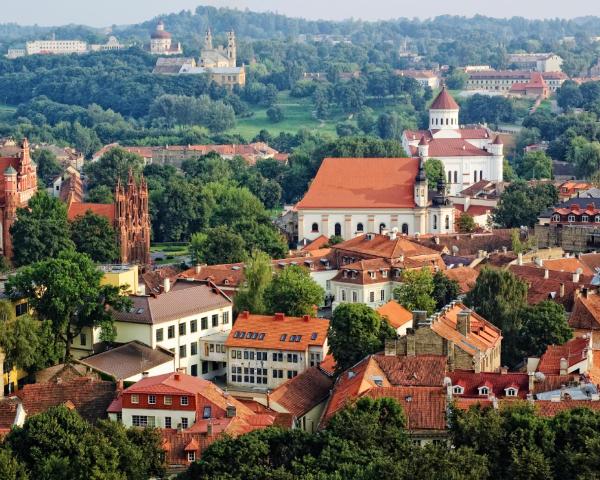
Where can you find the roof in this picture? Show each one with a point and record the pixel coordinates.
(452, 147)
(574, 351)
(362, 183)
(586, 312)
(64, 372)
(384, 246)
(328, 365)
(76, 209)
(90, 397)
(184, 299)
(8, 412)
(444, 101)
(548, 408)
(497, 383)
(464, 276)
(128, 360)
(303, 392)
(468, 243)
(318, 243)
(396, 315)
(474, 132)
(277, 332)
(570, 265)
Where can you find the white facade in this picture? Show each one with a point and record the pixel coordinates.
(156, 417)
(374, 295)
(55, 47)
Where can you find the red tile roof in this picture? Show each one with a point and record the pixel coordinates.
(568, 265)
(318, 243)
(396, 315)
(303, 392)
(276, 332)
(362, 183)
(468, 133)
(496, 382)
(548, 408)
(454, 147)
(586, 313)
(464, 276)
(444, 101)
(383, 246)
(574, 351)
(328, 365)
(104, 210)
(8, 412)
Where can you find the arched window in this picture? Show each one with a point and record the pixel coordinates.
(360, 227)
(480, 174)
(449, 176)
(405, 228)
(571, 218)
(315, 227)
(447, 222)
(381, 227)
(447, 122)
(337, 230)
(556, 218)
(458, 390)
(455, 176)
(435, 222)
(484, 390)
(474, 176)
(511, 392)
(596, 218)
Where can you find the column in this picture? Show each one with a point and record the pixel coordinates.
(371, 224)
(347, 227)
(325, 225)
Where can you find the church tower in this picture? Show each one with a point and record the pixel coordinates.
(421, 193)
(231, 49)
(208, 45)
(443, 115)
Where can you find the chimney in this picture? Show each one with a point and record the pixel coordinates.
(306, 318)
(145, 374)
(120, 385)
(176, 377)
(245, 314)
(419, 319)
(436, 239)
(561, 293)
(546, 274)
(576, 275)
(279, 316)
(564, 366)
(463, 322)
(166, 285)
(198, 269)
(520, 259)
(503, 370)
(531, 382)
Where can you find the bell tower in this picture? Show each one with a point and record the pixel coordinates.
(231, 48)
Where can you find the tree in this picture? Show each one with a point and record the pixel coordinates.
(535, 165)
(543, 324)
(466, 223)
(10, 467)
(444, 289)
(416, 290)
(355, 331)
(521, 204)
(275, 114)
(365, 119)
(457, 79)
(66, 291)
(258, 274)
(434, 170)
(112, 166)
(93, 235)
(48, 167)
(41, 230)
(101, 194)
(569, 96)
(217, 245)
(293, 292)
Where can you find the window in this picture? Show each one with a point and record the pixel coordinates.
(261, 376)
(215, 320)
(596, 219)
(447, 222)
(225, 318)
(360, 227)
(191, 456)
(292, 373)
(337, 230)
(449, 176)
(292, 358)
(315, 359)
(193, 326)
(206, 412)
(556, 217)
(354, 296)
(343, 294)
(382, 295)
(283, 337)
(315, 227)
(167, 422)
(135, 398)
(480, 174)
(194, 370)
(21, 309)
(168, 400)
(585, 218)
(381, 227)
(371, 297)
(182, 351)
(474, 175)
(182, 329)
(384, 273)
(313, 336)
(458, 390)
(204, 323)
(277, 373)
(511, 392)
(248, 375)
(571, 218)
(262, 356)
(159, 335)
(236, 374)
(151, 399)
(373, 275)
(405, 229)
(435, 222)
(455, 176)
(194, 348)
(82, 339)
(183, 400)
(483, 390)
(142, 421)
(171, 332)
(184, 422)
(277, 356)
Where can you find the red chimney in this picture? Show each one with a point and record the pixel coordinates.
(306, 318)
(176, 376)
(279, 316)
(245, 314)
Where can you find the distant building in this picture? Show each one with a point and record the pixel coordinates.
(161, 42)
(16, 53)
(535, 87)
(220, 57)
(111, 44)
(503, 80)
(55, 47)
(538, 62)
(425, 78)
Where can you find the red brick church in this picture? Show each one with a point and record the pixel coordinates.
(18, 185)
(129, 216)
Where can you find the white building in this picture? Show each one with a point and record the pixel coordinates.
(266, 350)
(161, 42)
(539, 62)
(468, 154)
(55, 47)
(111, 44)
(425, 78)
(352, 196)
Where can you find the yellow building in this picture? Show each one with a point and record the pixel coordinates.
(120, 276)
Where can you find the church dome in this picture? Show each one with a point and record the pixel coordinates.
(444, 101)
(160, 34)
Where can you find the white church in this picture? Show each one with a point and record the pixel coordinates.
(469, 154)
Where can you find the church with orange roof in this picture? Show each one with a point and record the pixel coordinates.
(469, 153)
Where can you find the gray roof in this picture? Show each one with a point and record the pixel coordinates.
(128, 360)
(185, 298)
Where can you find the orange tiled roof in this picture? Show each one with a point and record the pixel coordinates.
(567, 265)
(586, 313)
(303, 392)
(574, 351)
(362, 183)
(382, 246)
(328, 365)
(102, 209)
(396, 315)
(318, 243)
(444, 101)
(496, 382)
(465, 276)
(277, 332)
(548, 408)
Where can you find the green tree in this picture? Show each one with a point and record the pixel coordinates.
(457, 79)
(112, 166)
(93, 235)
(48, 167)
(416, 290)
(521, 204)
(20, 341)
(543, 324)
(535, 165)
(66, 291)
(434, 170)
(275, 114)
(10, 467)
(41, 230)
(101, 194)
(444, 289)
(258, 274)
(466, 223)
(293, 292)
(217, 245)
(355, 331)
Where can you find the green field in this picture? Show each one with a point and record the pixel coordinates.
(169, 253)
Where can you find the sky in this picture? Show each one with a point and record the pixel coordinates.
(109, 12)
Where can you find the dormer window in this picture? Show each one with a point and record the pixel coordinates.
(345, 273)
(511, 392)
(556, 217)
(384, 273)
(571, 218)
(585, 218)
(373, 275)
(597, 219)
(484, 391)
(458, 390)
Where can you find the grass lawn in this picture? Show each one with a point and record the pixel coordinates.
(168, 253)
(6, 111)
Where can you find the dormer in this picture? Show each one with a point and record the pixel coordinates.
(458, 390)
(485, 389)
(511, 391)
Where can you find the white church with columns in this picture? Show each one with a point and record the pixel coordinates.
(469, 154)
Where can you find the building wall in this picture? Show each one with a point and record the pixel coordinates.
(571, 238)
(159, 416)
(347, 292)
(120, 278)
(60, 47)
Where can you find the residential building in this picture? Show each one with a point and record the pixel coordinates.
(467, 340)
(469, 154)
(573, 188)
(585, 316)
(479, 201)
(503, 80)
(425, 78)
(128, 215)
(538, 62)
(67, 184)
(468, 387)
(344, 200)
(266, 350)
(18, 185)
(55, 47)
(161, 42)
(122, 275)
(573, 357)
(399, 318)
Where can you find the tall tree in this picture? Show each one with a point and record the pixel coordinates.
(93, 235)
(258, 274)
(41, 230)
(355, 331)
(47, 165)
(434, 170)
(66, 291)
(444, 289)
(520, 204)
(416, 290)
(293, 292)
(543, 324)
(113, 165)
(217, 245)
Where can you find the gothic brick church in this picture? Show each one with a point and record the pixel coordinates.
(129, 216)
(17, 186)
